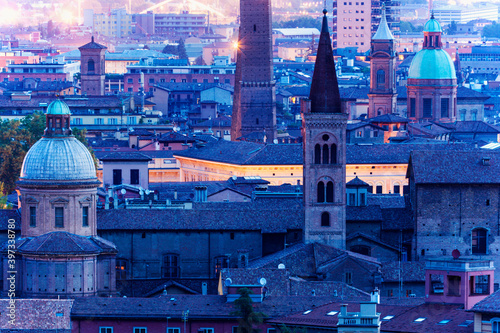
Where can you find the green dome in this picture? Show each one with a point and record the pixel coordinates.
(432, 64)
(58, 107)
(432, 26)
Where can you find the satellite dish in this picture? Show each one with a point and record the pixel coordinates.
(228, 282)
(455, 253)
(147, 192)
(281, 266)
(262, 281)
(123, 191)
(141, 192)
(275, 141)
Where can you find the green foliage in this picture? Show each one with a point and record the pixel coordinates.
(81, 135)
(170, 49)
(407, 27)
(492, 30)
(181, 50)
(452, 28)
(13, 147)
(286, 329)
(3, 198)
(248, 318)
(301, 22)
(199, 61)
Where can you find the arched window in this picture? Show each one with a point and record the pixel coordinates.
(326, 154)
(325, 219)
(380, 78)
(321, 192)
(91, 65)
(329, 192)
(479, 241)
(334, 154)
(317, 154)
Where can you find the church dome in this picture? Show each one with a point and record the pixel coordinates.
(432, 64)
(58, 159)
(58, 107)
(432, 26)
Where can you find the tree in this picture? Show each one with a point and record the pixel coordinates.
(199, 61)
(248, 318)
(301, 22)
(181, 50)
(4, 204)
(14, 143)
(492, 30)
(81, 135)
(34, 124)
(452, 28)
(170, 49)
(50, 29)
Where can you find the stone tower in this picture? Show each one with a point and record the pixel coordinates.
(255, 91)
(324, 134)
(59, 252)
(382, 94)
(92, 68)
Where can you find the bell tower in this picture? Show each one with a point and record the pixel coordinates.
(324, 133)
(92, 68)
(382, 96)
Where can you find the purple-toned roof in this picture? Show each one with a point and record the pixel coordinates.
(63, 243)
(124, 156)
(92, 45)
(490, 304)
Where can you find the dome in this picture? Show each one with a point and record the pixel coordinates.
(432, 26)
(432, 64)
(62, 159)
(58, 107)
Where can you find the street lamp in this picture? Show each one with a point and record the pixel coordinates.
(185, 315)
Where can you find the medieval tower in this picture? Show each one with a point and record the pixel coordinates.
(382, 96)
(324, 134)
(254, 113)
(92, 68)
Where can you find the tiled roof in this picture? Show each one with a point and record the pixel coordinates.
(490, 304)
(60, 242)
(397, 219)
(475, 127)
(223, 121)
(386, 200)
(72, 102)
(363, 213)
(388, 118)
(92, 45)
(464, 92)
(175, 137)
(360, 235)
(6, 215)
(356, 182)
(37, 316)
(457, 167)
(150, 287)
(37, 86)
(124, 156)
(200, 307)
(411, 271)
(265, 215)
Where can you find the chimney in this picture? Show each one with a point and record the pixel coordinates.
(343, 310)
(375, 296)
(200, 194)
(175, 194)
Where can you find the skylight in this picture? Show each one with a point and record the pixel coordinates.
(466, 323)
(444, 322)
(419, 320)
(387, 317)
(332, 313)
(307, 312)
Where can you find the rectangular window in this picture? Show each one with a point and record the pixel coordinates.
(130, 80)
(206, 330)
(59, 213)
(85, 216)
(117, 176)
(362, 199)
(171, 266)
(445, 105)
(379, 189)
(348, 277)
(352, 199)
(427, 109)
(396, 189)
(173, 330)
(481, 284)
(134, 177)
(454, 285)
(140, 330)
(32, 216)
(412, 107)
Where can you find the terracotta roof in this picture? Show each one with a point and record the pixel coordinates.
(61, 242)
(124, 156)
(388, 118)
(92, 45)
(267, 215)
(490, 304)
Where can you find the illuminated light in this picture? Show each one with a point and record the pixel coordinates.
(235, 45)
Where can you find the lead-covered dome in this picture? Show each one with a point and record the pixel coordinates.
(58, 159)
(432, 64)
(432, 25)
(58, 107)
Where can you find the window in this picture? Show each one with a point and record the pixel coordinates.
(151, 80)
(325, 219)
(352, 199)
(33, 217)
(329, 192)
(206, 330)
(495, 325)
(317, 154)
(59, 214)
(140, 330)
(173, 330)
(445, 105)
(479, 241)
(85, 216)
(396, 189)
(379, 189)
(121, 269)
(171, 266)
(412, 107)
(325, 154)
(91, 65)
(321, 192)
(134, 177)
(454, 285)
(480, 285)
(427, 109)
(380, 78)
(348, 277)
(334, 154)
(105, 329)
(117, 176)
(220, 263)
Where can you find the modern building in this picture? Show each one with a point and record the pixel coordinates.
(324, 141)
(183, 24)
(432, 81)
(44, 71)
(116, 23)
(254, 107)
(465, 14)
(59, 252)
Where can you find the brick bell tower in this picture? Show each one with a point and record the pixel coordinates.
(382, 96)
(92, 68)
(255, 89)
(324, 134)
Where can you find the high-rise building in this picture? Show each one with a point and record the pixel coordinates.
(254, 113)
(117, 23)
(382, 96)
(324, 133)
(92, 68)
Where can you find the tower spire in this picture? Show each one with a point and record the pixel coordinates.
(383, 31)
(324, 94)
